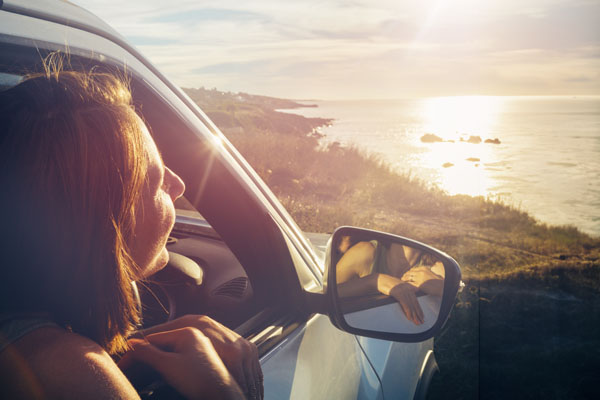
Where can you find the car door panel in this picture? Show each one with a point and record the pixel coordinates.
(397, 364)
(318, 361)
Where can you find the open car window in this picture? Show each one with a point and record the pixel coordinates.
(186, 209)
(224, 290)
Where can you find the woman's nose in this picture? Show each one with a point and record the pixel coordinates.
(176, 185)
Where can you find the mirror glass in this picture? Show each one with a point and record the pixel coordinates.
(387, 286)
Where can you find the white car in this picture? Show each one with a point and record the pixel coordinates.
(237, 254)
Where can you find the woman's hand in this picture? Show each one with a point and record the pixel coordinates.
(424, 279)
(404, 294)
(239, 355)
(187, 360)
(419, 275)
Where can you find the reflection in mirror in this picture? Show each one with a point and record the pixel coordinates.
(387, 286)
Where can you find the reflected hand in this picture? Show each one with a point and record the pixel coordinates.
(239, 355)
(404, 294)
(419, 275)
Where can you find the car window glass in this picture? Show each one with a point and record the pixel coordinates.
(227, 293)
(226, 290)
(9, 80)
(184, 207)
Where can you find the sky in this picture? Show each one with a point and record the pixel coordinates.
(361, 49)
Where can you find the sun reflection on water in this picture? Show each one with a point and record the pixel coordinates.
(459, 161)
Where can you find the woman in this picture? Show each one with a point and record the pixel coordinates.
(86, 208)
(369, 267)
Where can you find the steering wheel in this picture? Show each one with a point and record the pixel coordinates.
(180, 270)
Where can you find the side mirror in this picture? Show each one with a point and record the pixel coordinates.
(388, 287)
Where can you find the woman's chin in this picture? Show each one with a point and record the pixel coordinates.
(158, 263)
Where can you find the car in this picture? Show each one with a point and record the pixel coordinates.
(236, 254)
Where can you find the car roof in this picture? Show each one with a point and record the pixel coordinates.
(62, 12)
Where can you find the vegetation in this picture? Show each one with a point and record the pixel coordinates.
(522, 275)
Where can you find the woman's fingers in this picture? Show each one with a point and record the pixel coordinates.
(143, 351)
(239, 356)
(253, 376)
(415, 309)
(261, 381)
(409, 304)
(258, 380)
(250, 380)
(187, 361)
(406, 310)
(258, 374)
(419, 311)
(240, 377)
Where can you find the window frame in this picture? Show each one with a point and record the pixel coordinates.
(278, 231)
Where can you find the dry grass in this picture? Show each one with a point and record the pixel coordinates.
(325, 187)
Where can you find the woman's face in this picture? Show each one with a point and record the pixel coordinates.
(155, 213)
(344, 244)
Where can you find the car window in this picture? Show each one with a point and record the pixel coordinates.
(185, 208)
(241, 220)
(9, 80)
(226, 291)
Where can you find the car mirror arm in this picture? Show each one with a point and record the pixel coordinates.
(316, 303)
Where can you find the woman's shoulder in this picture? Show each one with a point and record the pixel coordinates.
(362, 250)
(51, 362)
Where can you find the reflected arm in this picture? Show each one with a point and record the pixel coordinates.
(403, 292)
(370, 284)
(356, 262)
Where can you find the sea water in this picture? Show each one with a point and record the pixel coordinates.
(547, 162)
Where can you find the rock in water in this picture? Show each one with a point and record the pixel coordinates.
(431, 138)
(493, 141)
(474, 139)
(447, 165)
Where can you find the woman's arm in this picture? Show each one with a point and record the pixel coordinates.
(357, 261)
(53, 363)
(402, 292)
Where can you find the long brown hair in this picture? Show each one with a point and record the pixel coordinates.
(72, 167)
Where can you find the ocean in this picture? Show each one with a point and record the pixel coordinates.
(547, 161)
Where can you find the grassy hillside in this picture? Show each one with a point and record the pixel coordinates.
(530, 306)
(327, 187)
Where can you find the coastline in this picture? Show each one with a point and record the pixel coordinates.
(525, 169)
(327, 186)
(527, 283)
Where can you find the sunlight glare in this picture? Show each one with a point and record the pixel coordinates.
(460, 164)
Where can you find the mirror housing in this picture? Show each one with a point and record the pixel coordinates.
(397, 289)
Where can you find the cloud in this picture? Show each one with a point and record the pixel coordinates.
(202, 15)
(360, 48)
(252, 68)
